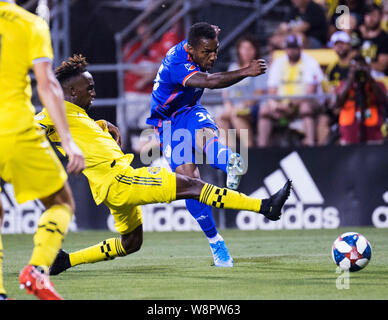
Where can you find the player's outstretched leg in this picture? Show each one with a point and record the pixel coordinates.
(106, 250)
(229, 199)
(186, 188)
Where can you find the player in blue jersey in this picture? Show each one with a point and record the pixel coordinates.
(185, 128)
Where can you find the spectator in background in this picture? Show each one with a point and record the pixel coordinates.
(242, 113)
(308, 20)
(338, 70)
(335, 73)
(356, 11)
(374, 46)
(384, 19)
(138, 82)
(293, 74)
(361, 101)
(353, 31)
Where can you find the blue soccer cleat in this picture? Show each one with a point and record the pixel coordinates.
(221, 254)
(234, 170)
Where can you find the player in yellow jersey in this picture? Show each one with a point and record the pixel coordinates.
(26, 158)
(121, 187)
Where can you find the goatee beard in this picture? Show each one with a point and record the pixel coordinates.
(373, 28)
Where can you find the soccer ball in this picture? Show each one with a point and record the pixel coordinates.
(351, 251)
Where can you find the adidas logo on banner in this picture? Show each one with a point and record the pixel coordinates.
(304, 208)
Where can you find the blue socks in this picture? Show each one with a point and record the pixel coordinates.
(217, 154)
(203, 214)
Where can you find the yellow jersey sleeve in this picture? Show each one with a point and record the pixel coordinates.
(103, 157)
(103, 125)
(41, 48)
(24, 40)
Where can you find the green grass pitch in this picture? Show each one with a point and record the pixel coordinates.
(270, 265)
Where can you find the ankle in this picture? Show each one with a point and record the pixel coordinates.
(265, 206)
(215, 239)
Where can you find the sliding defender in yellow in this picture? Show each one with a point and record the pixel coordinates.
(26, 159)
(122, 188)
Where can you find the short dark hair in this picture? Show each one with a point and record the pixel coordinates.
(200, 30)
(70, 68)
(252, 40)
(359, 58)
(373, 7)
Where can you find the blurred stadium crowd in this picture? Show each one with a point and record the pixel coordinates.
(326, 82)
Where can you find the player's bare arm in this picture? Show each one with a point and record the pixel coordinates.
(203, 51)
(225, 79)
(51, 95)
(381, 64)
(115, 132)
(302, 27)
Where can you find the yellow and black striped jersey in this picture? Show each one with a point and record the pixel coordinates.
(103, 156)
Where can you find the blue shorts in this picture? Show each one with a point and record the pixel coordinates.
(177, 135)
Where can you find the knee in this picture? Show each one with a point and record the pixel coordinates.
(133, 241)
(70, 203)
(133, 245)
(62, 197)
(188, 170)
(264, 110)
(202, 136)
(267, 109)
(194, 184)
(306, 110)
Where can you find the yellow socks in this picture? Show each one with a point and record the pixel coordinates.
(49, 236)
(105, 250)
(2, 290)
(228, 199)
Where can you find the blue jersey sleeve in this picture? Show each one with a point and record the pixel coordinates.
(180, 73)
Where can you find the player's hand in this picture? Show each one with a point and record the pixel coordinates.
(257, 67)
(115, 132)
(76, 159)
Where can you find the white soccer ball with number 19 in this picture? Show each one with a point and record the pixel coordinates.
(351, 251)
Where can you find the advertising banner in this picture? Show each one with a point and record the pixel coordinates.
(332, 187)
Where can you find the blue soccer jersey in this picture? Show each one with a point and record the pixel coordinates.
(170, 95)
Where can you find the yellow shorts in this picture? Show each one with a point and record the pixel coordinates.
(134, 187)
(28, 161)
